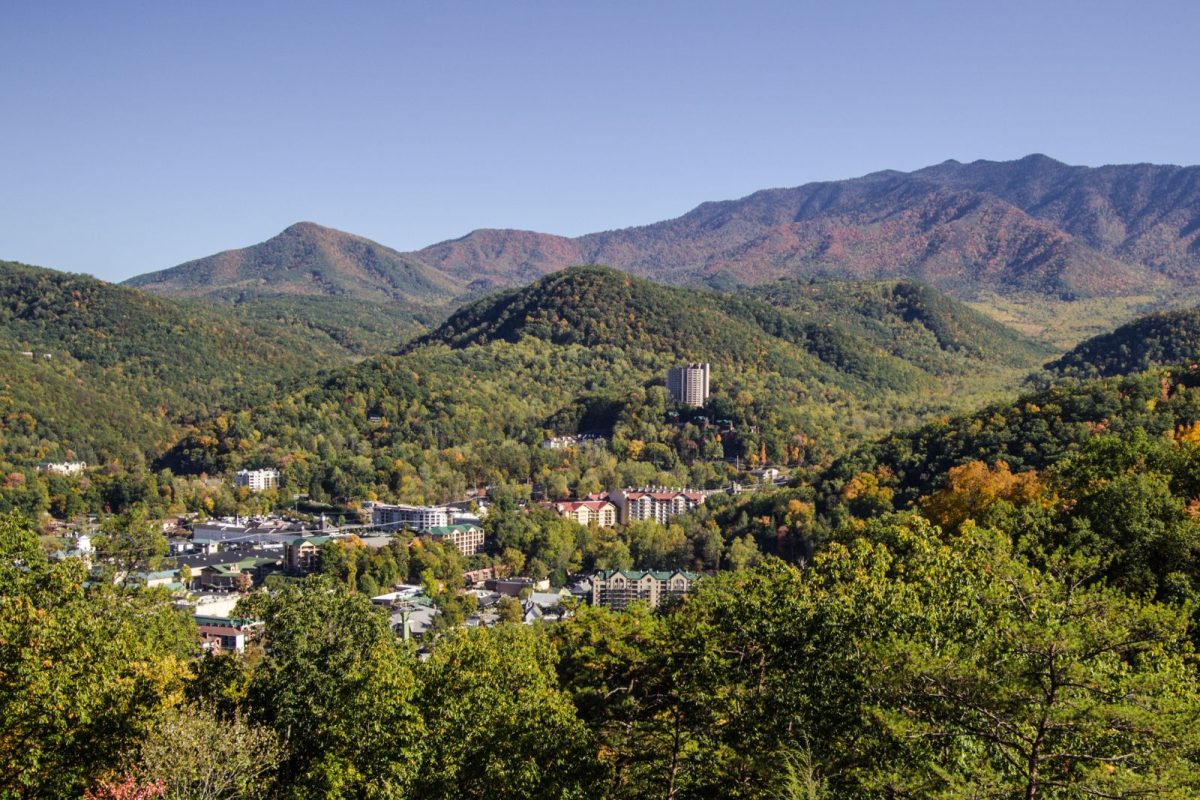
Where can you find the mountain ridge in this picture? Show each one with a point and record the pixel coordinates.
(1035, 226)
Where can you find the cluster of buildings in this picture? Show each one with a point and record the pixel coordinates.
(609, 509)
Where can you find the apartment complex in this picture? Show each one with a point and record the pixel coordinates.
(588, 512)
(257, 480)
(467, 538)
(689, 384)
(655, 503)
(303, 554)
(617, 589)
(417, 518)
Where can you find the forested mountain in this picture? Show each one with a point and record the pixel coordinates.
(359, 294)
(1032, 432)
(587, 349)
(112, 369)
(1163, 339)
(848, 325)
(308, 260)
(1032, 225)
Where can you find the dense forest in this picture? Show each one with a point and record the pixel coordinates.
(104, 373)
(587, 350)
(1166, 338)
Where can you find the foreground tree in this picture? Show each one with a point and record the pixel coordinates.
(196, 755)
(337, 687)
(498, 726)
(989, 678)
(84, 669)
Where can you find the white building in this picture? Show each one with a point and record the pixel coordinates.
(417, 518)
(63, 467)
(689, 384)
(655, 503)
(257, 480)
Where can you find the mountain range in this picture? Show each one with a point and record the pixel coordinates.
(1034, 226)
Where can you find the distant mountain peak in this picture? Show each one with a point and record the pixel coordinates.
(308, 259)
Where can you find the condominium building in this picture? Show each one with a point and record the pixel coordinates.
(655, 503)
(257, 480)
(617, 588)
(467, 538)
(689, 384)
(302, 555)
(417, 518)
(588, 512)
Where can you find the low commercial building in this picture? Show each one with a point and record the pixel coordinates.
(253, 531)
(618, 589)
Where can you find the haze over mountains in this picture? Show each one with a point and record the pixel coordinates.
(1034, 225)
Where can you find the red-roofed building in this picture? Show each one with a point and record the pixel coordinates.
(223, 634)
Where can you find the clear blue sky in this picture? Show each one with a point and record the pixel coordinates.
(138, 135)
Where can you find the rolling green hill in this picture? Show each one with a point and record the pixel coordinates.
(588, 348)
(113, 370)
(1163, 339)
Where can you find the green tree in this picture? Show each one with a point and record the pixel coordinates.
(335, 677)
(85, 668)
(498, 726)
(129, 540)
(509, 610)
(197, 755)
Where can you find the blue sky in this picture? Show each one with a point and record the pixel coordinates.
(139, 135)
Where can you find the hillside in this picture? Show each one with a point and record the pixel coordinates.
(114, 369)
(911, 320)
(1032, 432)
(1167, 338)
(1033, 225)
(857, 328)
(587, 349)
(1033, 228)
(308, 260)
(356, 293)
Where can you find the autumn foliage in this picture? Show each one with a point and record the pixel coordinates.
(974, 487)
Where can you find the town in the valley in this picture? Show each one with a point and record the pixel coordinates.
(212, 562)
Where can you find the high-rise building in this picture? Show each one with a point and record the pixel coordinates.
(689, 384)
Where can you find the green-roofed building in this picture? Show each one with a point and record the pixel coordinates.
(618, 588)
(468, 538)
(302, 555)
